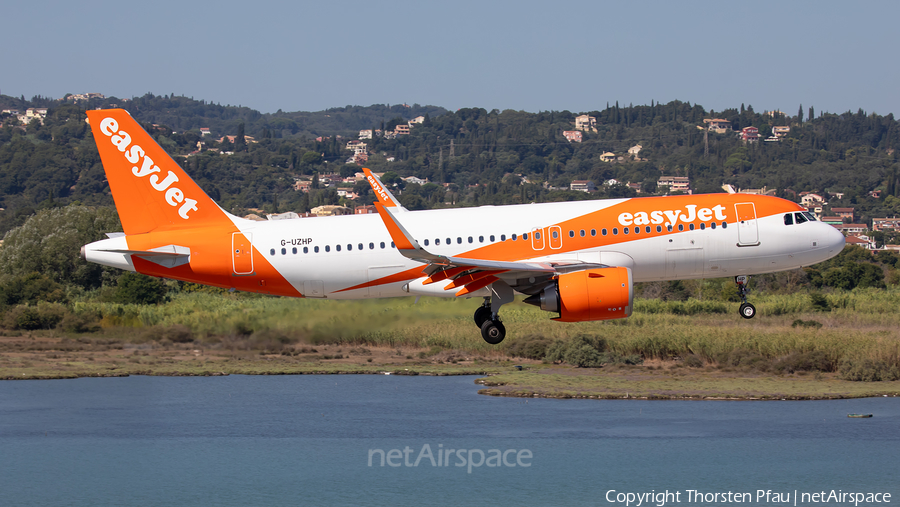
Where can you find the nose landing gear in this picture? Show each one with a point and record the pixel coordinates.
(747, 310)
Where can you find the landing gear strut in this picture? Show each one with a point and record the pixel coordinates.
(487, 316)
(747, 310)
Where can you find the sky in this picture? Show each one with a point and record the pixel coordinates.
(524, 55)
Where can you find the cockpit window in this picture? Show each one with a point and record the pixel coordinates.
(810, 216)
(800, 218)
(788, 219)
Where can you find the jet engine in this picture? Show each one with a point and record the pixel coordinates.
(593, 294)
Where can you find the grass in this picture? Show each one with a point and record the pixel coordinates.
(861, 324)
(204, 334)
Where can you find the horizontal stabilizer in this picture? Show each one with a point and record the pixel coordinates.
(168, 256)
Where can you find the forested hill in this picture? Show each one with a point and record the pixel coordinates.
(485, 157)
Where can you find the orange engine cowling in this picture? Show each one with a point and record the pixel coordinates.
(594, 294)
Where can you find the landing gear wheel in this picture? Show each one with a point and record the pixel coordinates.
(747, 310)
(482, 314)
(493, 331)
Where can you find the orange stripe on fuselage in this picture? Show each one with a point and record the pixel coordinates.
(608, 218)
(211, 261)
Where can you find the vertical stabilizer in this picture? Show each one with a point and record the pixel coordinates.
(151, 191)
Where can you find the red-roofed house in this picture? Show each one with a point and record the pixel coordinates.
(573, 136)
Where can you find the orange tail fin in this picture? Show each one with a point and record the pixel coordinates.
(151, 191)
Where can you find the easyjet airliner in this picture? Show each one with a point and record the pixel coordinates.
(579, 260)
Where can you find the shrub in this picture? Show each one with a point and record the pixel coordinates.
(88, 322)
(819, 302)
(586, 351)
(868, 370)
(42, 316)
(692, 361)
(138, 289)
(743, 358)
(804, 361)
(530, 347)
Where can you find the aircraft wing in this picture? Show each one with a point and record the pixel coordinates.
(465, 273)
(385, 197)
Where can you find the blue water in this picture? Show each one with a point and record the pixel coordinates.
(306, 440)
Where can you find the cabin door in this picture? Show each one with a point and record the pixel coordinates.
(748, 230)
(241, 254)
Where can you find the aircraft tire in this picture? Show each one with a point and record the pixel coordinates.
(482, 314)
(493, 331)
(747, 310)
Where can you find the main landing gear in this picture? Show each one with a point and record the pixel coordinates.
(747, 310)
(487, 317)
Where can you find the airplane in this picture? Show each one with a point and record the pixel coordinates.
(579, 260)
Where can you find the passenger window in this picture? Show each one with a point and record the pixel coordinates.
(593, 232)
(647, 229)
(625, 230)
(525, 236)
(572, 234)
(637, 230)
(603, 232)
(458, 240)
(658, 228)
(393, 245)
(426, 242)
(514, 237)
(294, 250)
(349, 247)
(306, 249)
(360, 246)
(615, 231)
(470, 239)
(437, 241)
(555, 235)
(316, 249)
(537, 235)
(272, 252)
(680, 227)
(492, 238)
(327, 248)
(382, 245)
(800, 218)
(448, 241)
(702, 226)
(481, 239)
(503, 237)
(283, 251)
(713, 225)
(337, 248)
(581, 233)
(691, 227)
(788, 219)
(371, 246)
(724, 225)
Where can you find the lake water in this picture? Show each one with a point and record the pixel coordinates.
(332, 440)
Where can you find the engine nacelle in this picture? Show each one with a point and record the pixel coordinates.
(594, 294)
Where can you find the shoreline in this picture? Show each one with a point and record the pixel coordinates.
(45, 357)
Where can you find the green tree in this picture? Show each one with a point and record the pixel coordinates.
(50, 242)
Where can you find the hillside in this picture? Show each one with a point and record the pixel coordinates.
(483, 157)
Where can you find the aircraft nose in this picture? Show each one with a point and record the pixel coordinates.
(833, 239)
